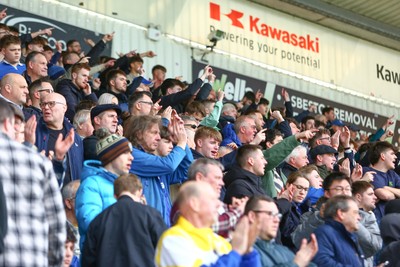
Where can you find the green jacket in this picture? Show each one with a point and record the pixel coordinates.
(213, 118)
(275, 155)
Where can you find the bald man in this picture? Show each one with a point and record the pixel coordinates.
(14, 89)
(199, 204)
(52, 126)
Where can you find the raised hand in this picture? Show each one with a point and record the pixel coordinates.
(61, 146)
(87, 90)
(356, 173)
(335, 140)
(239, 203)
(150, 54)
(220, 94)
(179, 131)
(285, 95)
(96, 83)
(240, 237)
(30, 130)
(312, 108)
(368, 176)
(89, 42)
(345, 137)
(120, 130)
(388, 122)
(287, 193)
(48, 31)
(207, 71)
(308, 134)
(156, 108)
(276, 115)
(167, 113)
(260, 136)
(345, 167)
(3, 13)
(108, 37)
(306, 252)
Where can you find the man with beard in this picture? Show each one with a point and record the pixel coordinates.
(76, 89)
(116, 81)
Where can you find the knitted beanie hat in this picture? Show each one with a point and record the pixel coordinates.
(111, 147)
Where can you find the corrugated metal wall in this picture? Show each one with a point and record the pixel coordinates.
(177, 56)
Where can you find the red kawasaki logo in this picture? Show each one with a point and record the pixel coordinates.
(255, 25)
(215, 13)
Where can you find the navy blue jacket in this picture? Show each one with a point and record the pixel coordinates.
(124, 234)
(289, 222)
(241, 183)
(73, 95)
(74, 154)
(336, 246)
(178, 100)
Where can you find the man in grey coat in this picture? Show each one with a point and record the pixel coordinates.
(368, 232)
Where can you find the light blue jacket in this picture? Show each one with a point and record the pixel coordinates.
(94, 195)
(158, 173)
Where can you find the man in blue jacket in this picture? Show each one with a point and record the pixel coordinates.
(338, 245)
(155, 172)
(51, 128)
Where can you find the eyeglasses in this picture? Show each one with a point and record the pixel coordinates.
(193, 126)
(51, 104)
(147, 102)
(299, 187)
(341, 189)
(269, 213)
(48, 90)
